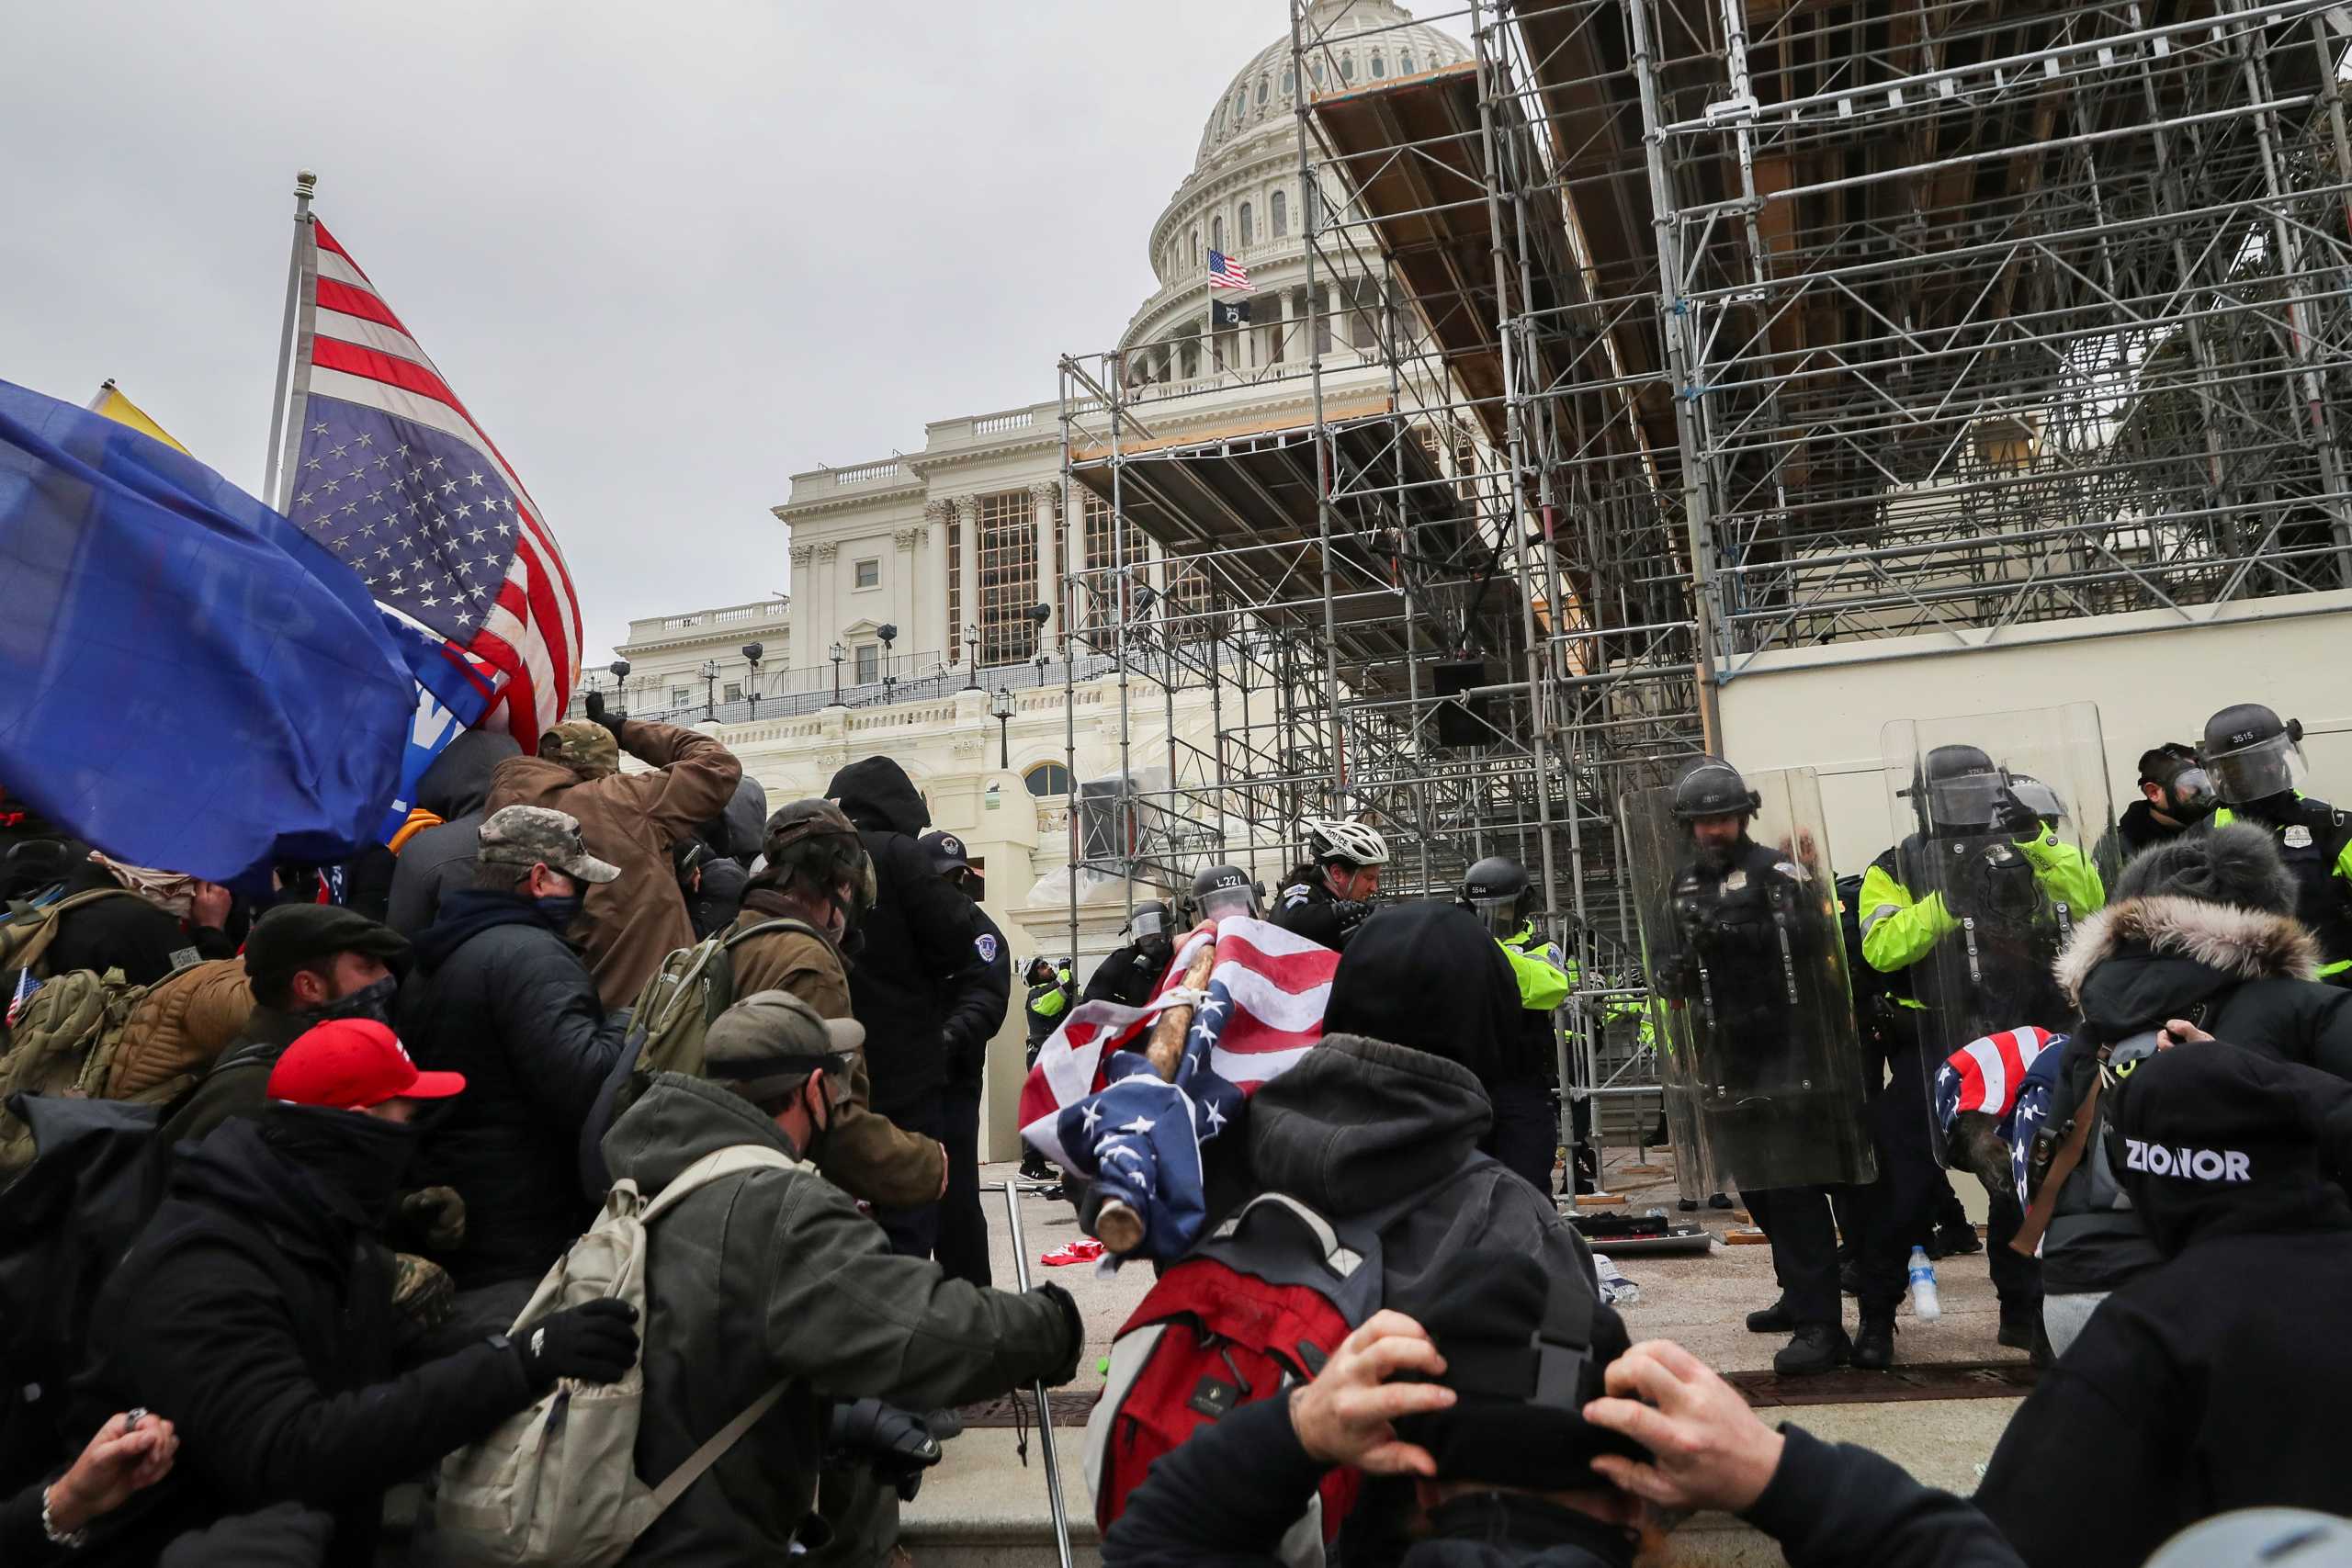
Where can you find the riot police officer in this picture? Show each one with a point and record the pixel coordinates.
(1329, 894)
(1965, 916)
(1525, 1134)
(1130, 974)
(1740, 959)
(2253, 761)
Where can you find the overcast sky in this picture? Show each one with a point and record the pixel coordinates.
(668, 255)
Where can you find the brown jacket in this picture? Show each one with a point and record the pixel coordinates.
(631, 925)
(867, 1155)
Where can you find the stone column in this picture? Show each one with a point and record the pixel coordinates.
(1074, 535)
(1041, 497)
(808, 652)
(936, 516)
(828, 598)
(967, 528)
(903, 589)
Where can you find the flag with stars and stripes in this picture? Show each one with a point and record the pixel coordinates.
(1985, 1075)
(1093, 1105)
(393, 475)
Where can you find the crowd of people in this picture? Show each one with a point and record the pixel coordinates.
(434, 1205)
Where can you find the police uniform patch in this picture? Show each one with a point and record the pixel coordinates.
(1793, 872)
(985, 945)
(1734, 882)
(2297, 837)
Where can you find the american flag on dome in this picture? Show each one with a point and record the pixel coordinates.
(395, 477)
(1226, 272)
(1093, 1105)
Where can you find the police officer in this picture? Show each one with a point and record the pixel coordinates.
(1131, 974)
(1049, 993)
(1526, 1134)
(1736, 940)
(2251, 757)
(962, 1248)
(1966, 915)
(1329, 894)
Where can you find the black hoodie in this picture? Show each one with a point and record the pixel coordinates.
(2214, 1381)
(914, 986)
(1427, 976)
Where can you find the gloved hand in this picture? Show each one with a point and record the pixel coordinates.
(898, 1444)
(1074, 1323)
(2014, 818)
(594, 708)
(1351, 913)
(433, 1217)
(596, 1342)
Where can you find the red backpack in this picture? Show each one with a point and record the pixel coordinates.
(1256, 1308)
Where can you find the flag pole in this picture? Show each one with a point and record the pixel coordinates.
(278, 465)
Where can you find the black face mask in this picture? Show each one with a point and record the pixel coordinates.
(372, 1001)
(559, 913)
(356, 1163)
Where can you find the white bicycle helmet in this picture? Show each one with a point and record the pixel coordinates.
(1327, 839)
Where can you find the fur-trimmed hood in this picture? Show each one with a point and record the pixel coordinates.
(2205, 946)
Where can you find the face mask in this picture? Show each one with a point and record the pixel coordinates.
(559, 913)
(373, 1001)
(356, 1163)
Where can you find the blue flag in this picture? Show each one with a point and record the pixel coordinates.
(185, 679)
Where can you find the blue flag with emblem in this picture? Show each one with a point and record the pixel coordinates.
(186, 681)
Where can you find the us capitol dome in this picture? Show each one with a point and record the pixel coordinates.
(1242, 197)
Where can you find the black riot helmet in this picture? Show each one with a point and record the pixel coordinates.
(1496, 890)
(1709, 786)
(1223, 890)
(1957, 790)
(2251, 754)
(1152, 918)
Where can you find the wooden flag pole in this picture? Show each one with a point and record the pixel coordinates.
(1117, 1225)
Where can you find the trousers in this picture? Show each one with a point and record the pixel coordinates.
(914, 1230)
(1525, 1137)
(962, 1244)
(1803, 1234)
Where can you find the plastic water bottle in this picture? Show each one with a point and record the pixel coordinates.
(1924, 1303)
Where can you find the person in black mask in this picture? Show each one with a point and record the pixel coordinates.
(307, 963)
(499, 995)
(254, 1311)
(2207, 1382)
(1129, 974)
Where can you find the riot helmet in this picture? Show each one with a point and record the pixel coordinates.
(1150, 920)
(1224, 890)
(811, 844)
(2250, 754)
(1496, 890)
(1709, 786)
(2038, 798)
(1957, 790)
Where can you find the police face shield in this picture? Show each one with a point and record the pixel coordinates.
(1147, 924)
(2273, 765)
(1237, 899)
(1500, 916)
(1747, 969)
(1963, 804)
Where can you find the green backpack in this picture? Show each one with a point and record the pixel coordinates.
(61, 1042)
(674, 1011)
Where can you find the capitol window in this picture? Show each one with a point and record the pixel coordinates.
(1379, 64)
(1249, 225)
(1265, 91)
(1240, 104)
(1347, 68)
(1290, 81)
(1405, 63)
(734, 691)
(869, 663)
(1281, 207)
(869, 573)
(681, 696)
(1047, 778)
(1217, 232)
(1315, 69)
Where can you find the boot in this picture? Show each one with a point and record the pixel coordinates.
(1874, 1342)
(1773, 1319)
(2019, 1325)
(1818, 1348)
(1720, 1200)
(1687, 1205)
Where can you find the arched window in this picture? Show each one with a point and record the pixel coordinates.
(1047, 778)
(1290, 80)
(1315, 69)
(1405, 63)
(1265, 91)
(1249, 226)
(1217, 232)
(1347, 68)
(1281, 214)
(1240, 105)
(1196, 244)
(1379, 64)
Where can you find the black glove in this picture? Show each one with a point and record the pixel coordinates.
(596, 1342)
(1074, 1323)
(2014, 818)
(434, 1218)
(898, 1444)
(594, 708)
(1351, 913)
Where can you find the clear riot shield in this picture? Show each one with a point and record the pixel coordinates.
(1695, 1172)
(1747, 970)
(1998, 819)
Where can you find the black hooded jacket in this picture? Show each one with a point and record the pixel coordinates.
(497, 996)
(255, 1311)
(439, 860)
(1429, 975)
(915, 985)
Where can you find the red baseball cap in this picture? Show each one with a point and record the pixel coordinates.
(351, 1064)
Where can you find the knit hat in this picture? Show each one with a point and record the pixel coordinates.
(1523, 1352)
(2208, 1137)
(2232, 864)
(764, 1045)
(288, 936)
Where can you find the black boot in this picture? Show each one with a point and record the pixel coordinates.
(1687, 1205)
(1720, 1200)
(1773, 1319)
(1874, 1342)
(2019, 1325)
(1818, 1348)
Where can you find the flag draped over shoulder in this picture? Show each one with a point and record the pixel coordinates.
(185, 680)
(1093, 1103)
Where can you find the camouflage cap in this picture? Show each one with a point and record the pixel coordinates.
(536, 835)
(588, 750)
(802, 819)
(765, 1044)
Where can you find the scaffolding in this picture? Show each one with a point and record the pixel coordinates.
(1680, 330)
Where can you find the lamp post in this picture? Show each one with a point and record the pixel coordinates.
(710, 688)
(1042, 657)
(619, 669)
(1001, 710)
(751, 652)
(972, 659)
(838, 653)
(889, 632)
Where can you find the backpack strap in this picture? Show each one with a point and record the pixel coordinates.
(781, 923)
(46, 919)
(719, 1163)
(673, 1486)
(2062, 1166)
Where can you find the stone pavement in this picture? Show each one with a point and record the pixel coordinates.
(982, 1508)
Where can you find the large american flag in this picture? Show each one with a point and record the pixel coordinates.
(1093, 1105)
(395, 477)
(1226, 272)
